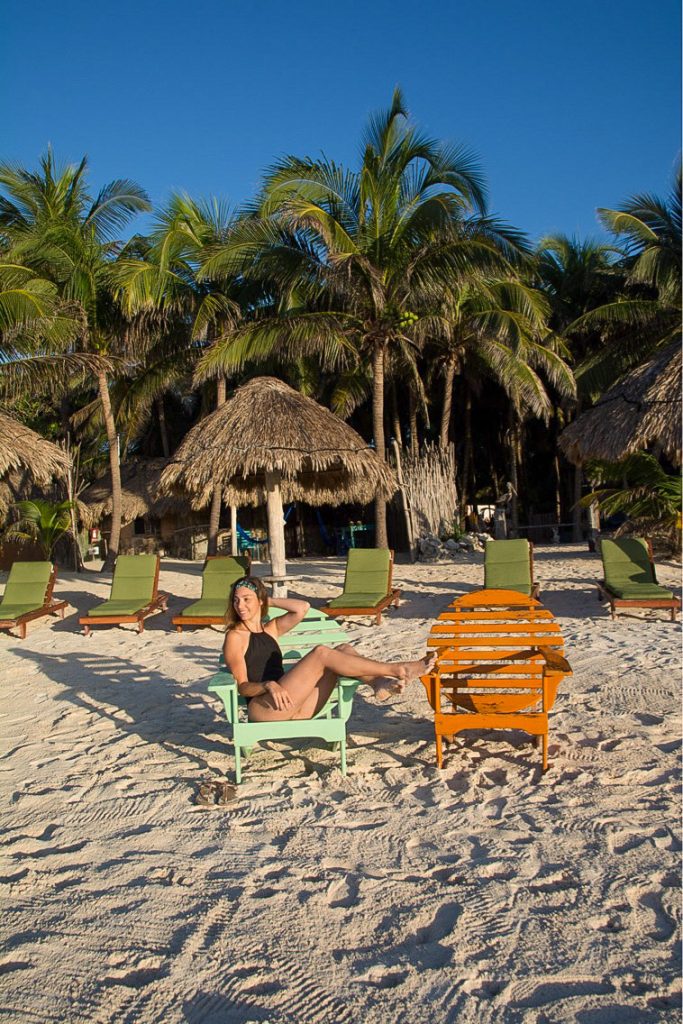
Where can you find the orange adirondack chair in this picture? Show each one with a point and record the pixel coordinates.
(500, 661)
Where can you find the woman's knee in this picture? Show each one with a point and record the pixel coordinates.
(321, 651)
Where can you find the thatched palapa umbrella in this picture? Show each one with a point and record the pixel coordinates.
(271, 443)
(23, 451)
(641, 409)
(140, 494)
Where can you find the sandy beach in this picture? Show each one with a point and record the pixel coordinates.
(485, 892)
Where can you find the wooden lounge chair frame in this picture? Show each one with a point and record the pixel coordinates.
(208, 620)
(49, 607)
(673, 604)
(535, 587)
(500, 662)
(328, 725)
(392, 597)
(159, 602)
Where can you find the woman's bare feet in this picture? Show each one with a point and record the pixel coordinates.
(415, 669)
(387, 686)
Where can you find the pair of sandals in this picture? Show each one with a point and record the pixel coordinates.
(215, 794)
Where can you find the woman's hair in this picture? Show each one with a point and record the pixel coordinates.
(252, 583)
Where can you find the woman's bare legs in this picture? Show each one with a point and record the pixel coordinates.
(311, 681)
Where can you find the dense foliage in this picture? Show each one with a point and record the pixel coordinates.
(388, 292)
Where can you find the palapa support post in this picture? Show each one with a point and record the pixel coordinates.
(276, 532)
(233, 530)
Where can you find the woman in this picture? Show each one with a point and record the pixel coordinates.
(253, 655)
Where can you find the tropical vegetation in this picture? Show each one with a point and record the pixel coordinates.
(389, 292)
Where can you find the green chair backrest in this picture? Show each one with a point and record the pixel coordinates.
(219, 575)
(626, 561)
(507, 564)
(134, 578)
(367, 571)
(27, 584)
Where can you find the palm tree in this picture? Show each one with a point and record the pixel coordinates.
(497, 330)
(163, 282)
(647, 314)
(577, 276)
(52, 226)
(349, 254)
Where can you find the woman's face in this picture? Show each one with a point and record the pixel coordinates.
(246, 603)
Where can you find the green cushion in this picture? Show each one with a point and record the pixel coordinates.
(627, 564)
(133, 580)
(14, 611)
(206, 606)
(640, 591)
(117, 608)
(507, 565)
(367, 599)
(367, 573)
(26, 587)
(219, 575)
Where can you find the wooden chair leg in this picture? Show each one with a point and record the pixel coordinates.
(22, 631)
(179, 629)
(439, 750)
(141, 625)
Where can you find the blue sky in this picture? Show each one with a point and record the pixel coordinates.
(568, 105)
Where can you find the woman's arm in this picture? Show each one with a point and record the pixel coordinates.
(294, 609)
(234, 650)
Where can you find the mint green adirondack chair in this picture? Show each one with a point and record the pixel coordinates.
(328, 725)
(28, 595)
(509, 565)
(134, 594)
(367, 584)
(218, 576)
(630, 577)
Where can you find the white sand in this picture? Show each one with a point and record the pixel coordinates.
(481, 893)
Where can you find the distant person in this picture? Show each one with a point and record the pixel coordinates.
(253, 655)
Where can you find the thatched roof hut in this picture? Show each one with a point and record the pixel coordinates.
(271, 443)
(141, 494)
(641, 409)
(24, 453)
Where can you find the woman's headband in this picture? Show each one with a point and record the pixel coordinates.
(248, 585)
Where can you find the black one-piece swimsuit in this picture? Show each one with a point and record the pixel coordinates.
(263, 659)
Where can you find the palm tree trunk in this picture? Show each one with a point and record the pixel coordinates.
(215, 513)
(467, 474)
(513, 451)
(396, 419)
(115, 468)
(161, 413)
(576, 510)
(449, 378)
(412, 413)
(381, 540)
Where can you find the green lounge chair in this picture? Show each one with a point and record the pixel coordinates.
(509, 565)
(630, 579)
(134, 594)
(28, 595)
(328, 725)
(218, 576)
(367, 584)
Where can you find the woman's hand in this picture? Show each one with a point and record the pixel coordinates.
(279, 695)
